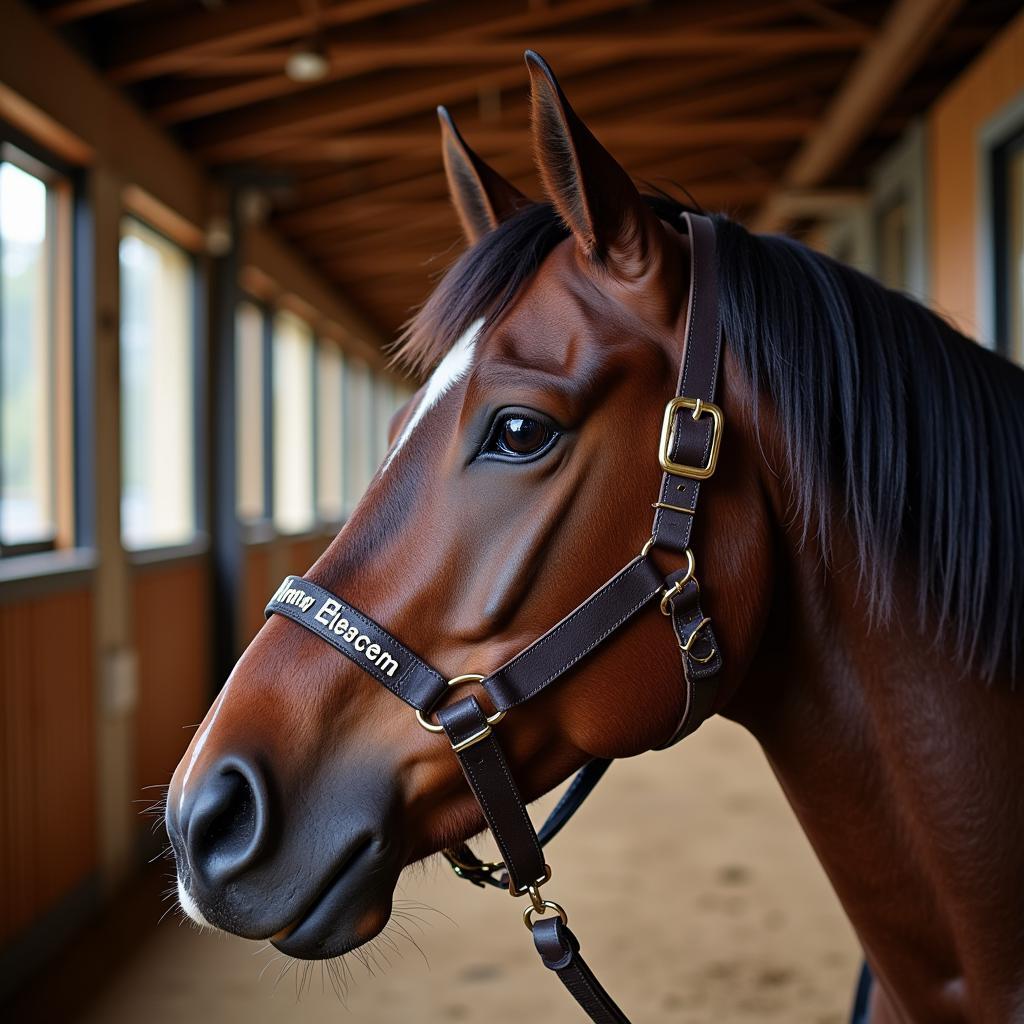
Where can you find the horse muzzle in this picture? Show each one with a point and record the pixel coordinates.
(316, 887)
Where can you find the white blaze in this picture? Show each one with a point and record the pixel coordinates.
(449, 372)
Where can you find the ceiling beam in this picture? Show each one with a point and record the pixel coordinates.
(313, 221)
(244, 136)
(161, 47)
(908, 32)
(76, 10)
(389, 179)
(630, 133)
(442, 52)
(213, 101)
(171, 45)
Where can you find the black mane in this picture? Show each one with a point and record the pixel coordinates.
(883, 406)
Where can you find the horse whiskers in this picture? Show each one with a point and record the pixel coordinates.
(165, 854)
(290, 963)
(376, 956)
(173, 908)
(404, 933)
(404, 907)
(273, 960)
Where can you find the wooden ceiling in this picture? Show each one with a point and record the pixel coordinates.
(725, 98)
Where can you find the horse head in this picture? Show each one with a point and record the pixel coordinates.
(519, 478)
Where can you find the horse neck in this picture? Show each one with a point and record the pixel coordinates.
(902, 768)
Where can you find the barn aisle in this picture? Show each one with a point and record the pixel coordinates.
(692, 851)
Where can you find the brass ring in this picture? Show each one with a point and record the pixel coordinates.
(670, 592)
(547, 905)
(470, 677)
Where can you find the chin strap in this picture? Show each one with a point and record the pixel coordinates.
(688, 453)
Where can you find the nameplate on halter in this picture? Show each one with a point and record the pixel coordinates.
(329, 614)
(359, 638)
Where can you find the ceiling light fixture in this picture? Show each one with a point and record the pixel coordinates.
(307, 63)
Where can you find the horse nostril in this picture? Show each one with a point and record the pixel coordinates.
(225, 826)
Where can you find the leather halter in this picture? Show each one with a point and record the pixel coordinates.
(688, 453)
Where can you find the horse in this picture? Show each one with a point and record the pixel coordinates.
(861, 550)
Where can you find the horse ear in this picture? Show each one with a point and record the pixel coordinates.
(591, 191)
(481, 196)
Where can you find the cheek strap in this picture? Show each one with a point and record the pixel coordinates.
(688, 454)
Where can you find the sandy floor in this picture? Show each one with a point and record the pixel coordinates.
(694, 894)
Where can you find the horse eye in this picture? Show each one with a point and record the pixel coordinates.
(520, 435)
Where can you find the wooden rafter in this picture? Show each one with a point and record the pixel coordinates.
(389, 180)
(449, 53)
(75, 10)
(258, 133)
(207, 102)
(160, 49)
(910, 29)
(753, 106)
(631, 133)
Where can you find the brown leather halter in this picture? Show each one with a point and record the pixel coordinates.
(688, 454)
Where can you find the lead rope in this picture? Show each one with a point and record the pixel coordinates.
(688, 453)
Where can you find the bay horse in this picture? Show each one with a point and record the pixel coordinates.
(861, 547)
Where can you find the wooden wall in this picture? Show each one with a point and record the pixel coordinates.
(955, 161)
(171, 630)
(47, 754)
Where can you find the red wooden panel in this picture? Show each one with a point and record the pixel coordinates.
(171, 630)
(47, 754)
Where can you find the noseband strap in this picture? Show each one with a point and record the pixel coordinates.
(688, 454)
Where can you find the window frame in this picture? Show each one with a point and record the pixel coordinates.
(63, 184)
(198, 541)
(992, 139)
(900, 179)
(1001, 156)
(313, 526)
(334, 524)
(257, 527)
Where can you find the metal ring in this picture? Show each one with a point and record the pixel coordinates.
(685, 648)
(547, 905)
(471, 677)
(676, 588)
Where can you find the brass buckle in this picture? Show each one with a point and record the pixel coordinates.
(469, 741)
(699, 407)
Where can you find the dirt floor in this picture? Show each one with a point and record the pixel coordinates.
(694, 894)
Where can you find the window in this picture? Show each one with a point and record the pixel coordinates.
(1008, 207)
(384, 406)
(893, 247)
(293, 424)
(249, 411)
(330, 373)
(898, 215)
(35, 353)
(158, 498)
(360, 464)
